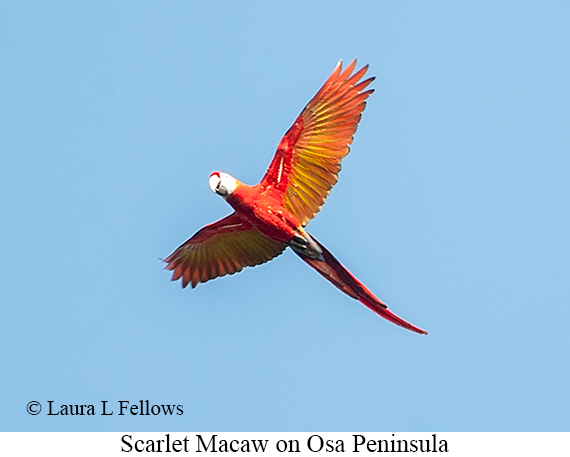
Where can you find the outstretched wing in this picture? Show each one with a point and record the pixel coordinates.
(307, 161)
(222, 248)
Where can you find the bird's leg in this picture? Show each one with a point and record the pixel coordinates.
(302, 243)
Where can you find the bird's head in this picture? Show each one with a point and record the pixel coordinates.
(222, 184)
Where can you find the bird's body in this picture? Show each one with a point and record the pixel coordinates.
(264, 211)
(272, 215)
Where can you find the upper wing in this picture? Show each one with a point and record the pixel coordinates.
(222, 248)
(307, 160)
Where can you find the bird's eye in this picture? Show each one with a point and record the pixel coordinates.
(214, 182)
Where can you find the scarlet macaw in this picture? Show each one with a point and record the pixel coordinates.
(272, 215)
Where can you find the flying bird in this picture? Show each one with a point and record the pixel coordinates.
(272, 215)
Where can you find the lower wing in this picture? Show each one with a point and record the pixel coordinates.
(222, 248)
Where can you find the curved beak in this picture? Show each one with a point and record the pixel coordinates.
(221, 190)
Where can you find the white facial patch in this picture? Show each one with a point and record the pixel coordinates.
(214, 181)
(222, 183)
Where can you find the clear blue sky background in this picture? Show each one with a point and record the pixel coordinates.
(453, 207)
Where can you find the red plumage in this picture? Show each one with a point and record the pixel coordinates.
(272, 215)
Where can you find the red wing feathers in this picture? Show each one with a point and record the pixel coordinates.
(336, 273)
(222, 248)
(301, 174)
(307, 161)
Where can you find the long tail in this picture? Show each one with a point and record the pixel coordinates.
(333, 270)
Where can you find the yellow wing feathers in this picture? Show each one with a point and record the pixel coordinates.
(311, 151)
(222, 248)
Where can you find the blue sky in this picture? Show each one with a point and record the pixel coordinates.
(453, 207)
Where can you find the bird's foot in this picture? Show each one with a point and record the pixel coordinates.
(304, 244)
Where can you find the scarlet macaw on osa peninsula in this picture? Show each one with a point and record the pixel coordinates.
(272, 215)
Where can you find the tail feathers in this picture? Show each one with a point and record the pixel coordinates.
(336, 273)
(387, 314)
